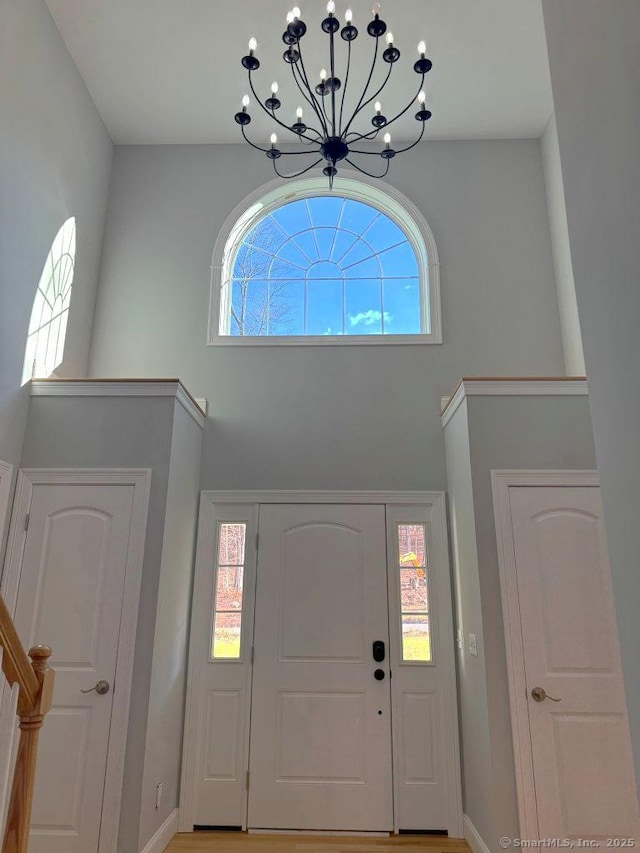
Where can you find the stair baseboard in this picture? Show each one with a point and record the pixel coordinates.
(473, 837)
(163, 834)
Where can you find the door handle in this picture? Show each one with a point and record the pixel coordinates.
(378, 651)
(539, 694)
(379, 674)
(101, 688)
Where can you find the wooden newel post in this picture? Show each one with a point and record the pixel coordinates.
(16, 837)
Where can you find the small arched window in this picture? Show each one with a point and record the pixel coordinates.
(349, 266)
(50, 313)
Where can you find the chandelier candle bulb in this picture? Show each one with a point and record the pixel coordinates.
(422, 49)
(387, 140)
(375, 9)
(289, 17)
(245, 101)
(299, 113)
(348, 16)
(253, 45)
(389, 39)
(378, 107)
(331, 7)
(422, 98)
(274, 88)
(323, 75)
(274, 140)
(296, 13)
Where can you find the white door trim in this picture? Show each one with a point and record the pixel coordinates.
(6, 471)
(140, 479)
(436, 504)
(328, 497)
(501, 482)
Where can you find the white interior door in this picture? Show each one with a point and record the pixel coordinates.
(582, 761)
(320, 755)
(71, 597)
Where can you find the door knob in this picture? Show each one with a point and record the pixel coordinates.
(539, 694)
(101, 688)
(379, 674)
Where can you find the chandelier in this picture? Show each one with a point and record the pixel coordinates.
(329, 136)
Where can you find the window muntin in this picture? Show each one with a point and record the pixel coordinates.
(322, 266)
(229, 591)
(50, 313)
(414, 593)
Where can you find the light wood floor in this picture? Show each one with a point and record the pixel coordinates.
(239, 842)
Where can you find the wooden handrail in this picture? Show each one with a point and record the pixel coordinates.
(16, 666)
(35, 681)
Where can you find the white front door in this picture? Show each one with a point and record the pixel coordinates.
(582, 760)
(320, 750)
(305, 713)
(71, 597)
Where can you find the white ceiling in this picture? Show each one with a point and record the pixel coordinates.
(168, 71)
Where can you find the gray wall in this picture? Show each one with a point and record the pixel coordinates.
(333, 417)
(55, 159)
(595, 74)
(111, 432)
(472, 678)
(501, 433)
(169, 669)
(569, 320)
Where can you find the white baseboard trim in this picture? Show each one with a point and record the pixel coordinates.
(473, 837)
(163, 835)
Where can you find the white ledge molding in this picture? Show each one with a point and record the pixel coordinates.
(512, 386)
(122, 388)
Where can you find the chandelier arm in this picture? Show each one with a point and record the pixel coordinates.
(252, 144)
(266, 150)
(364, 92)
(358, 137)
(413, 144)
(271, 113)
(311, 102)
(332, 61)
(366, 103)
(364, 171)
(326, 114)
(297, 175)
(303, 72)
(401, 113)
(344, 88)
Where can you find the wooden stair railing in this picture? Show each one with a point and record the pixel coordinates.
(35, 682)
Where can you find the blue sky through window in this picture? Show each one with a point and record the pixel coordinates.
(325, 265)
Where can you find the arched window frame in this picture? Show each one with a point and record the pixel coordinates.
(46, 335)
(385, 198)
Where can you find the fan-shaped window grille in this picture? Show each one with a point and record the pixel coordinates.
(323, 266)
(48, 326)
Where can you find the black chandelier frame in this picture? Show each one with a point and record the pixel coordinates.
(333, 142)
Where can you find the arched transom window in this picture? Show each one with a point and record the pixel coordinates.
(323, 266)
(50, 313)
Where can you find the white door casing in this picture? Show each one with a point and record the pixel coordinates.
(320, 722)
(573, 756)
(6, 472)
(430, 507)
(74, 576)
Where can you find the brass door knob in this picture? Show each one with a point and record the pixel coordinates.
(539, 694)
(101, 688)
